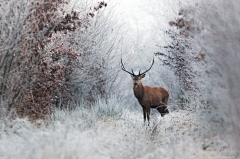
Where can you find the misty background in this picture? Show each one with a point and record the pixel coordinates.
(63, 93)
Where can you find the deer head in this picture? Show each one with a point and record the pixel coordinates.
(136, 78)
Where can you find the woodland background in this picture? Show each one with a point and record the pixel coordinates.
(63, 94)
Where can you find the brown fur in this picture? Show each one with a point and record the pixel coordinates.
(156, 97)
(148, 97)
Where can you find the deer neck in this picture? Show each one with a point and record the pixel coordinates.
(139, 91)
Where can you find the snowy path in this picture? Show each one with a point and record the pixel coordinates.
(81, 135)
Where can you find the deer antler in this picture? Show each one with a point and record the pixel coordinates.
(147, 69)
(123, 68)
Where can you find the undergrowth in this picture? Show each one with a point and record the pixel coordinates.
(108, 130)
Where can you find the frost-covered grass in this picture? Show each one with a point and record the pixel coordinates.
(109, 130)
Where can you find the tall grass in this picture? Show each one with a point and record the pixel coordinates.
(107, 130)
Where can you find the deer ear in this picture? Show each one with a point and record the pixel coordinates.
(132, 76)
(142, 76)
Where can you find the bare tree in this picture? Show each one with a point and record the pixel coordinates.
(186, 60)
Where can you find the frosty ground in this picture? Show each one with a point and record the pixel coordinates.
(203, 79)
(111, 131)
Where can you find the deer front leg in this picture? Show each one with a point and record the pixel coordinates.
(148, 114)
(144, 114)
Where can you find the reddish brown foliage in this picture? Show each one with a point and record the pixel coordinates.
(43, 82)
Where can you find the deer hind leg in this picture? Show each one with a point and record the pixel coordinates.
(162, 109)
(165, 100)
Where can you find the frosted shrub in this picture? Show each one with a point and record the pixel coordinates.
(214, 25)
(49, 56)
(110, 107)
(182, 57)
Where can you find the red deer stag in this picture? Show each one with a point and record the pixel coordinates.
(156, 97)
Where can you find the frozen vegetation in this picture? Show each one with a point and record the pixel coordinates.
(63, 93)
(112, 131)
